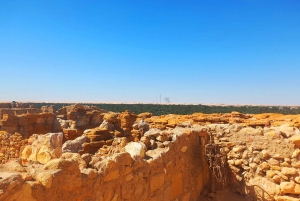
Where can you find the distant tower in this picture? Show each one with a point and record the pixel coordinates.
(159, 98)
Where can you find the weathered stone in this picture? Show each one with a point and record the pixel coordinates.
(176, 185)
(265, 154)
(267, 186)
(46, 177)
(44, 148)
(153, 132)
(156, 182)
(285, 198)
(238, 149)
(129, 177)
(238, 162)
(162, 138)
(75, 157)
(270, 173)
(296, 153)
(112, 175)
(135, 149)
(297, 179)
(9, 182)
(288, 171)
(296, 140)
(264, 166)
(273, 161)
(287, 187)
(74, 145)
(91, 173)
(245, 154)
(285, 164)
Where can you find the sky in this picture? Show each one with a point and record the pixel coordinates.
(200, 52)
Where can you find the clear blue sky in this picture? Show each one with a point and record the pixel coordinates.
(232, 52)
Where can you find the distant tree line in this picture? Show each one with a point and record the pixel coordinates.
(158, 109)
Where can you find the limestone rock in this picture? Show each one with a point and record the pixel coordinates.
(152, 132)
(146, 141)
(287, 187)
(296, 140)
(75, 157)
(136, 149)
(45, 177)
(268, 186)
(286, 130)
(91, 173)
(288, 171)
(127, 119)
(44, 148)
(285, 198)
(296, 153)
(273, 161)
(163, 137)
(74, 145)
(9, 183)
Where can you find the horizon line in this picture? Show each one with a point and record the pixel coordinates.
(157, 103)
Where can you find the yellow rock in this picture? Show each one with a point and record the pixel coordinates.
(296, 140)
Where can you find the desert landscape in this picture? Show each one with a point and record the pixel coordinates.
(149, 100)
(85, 153)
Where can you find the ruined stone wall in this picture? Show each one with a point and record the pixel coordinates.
(263, 163)
(177, 172)
(28, 124)
(262, 155)
(19, 111)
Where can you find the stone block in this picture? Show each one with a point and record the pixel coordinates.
(288, 171)
(287, 187)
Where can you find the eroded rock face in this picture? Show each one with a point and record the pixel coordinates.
(43, 148)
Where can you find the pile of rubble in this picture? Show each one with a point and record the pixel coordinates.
(10, 146)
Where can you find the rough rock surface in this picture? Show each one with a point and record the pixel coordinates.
(123, 156)
(43, 148)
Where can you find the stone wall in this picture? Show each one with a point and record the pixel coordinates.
(19, 111)
(176, 172)
(166, 162)
(28, 124)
